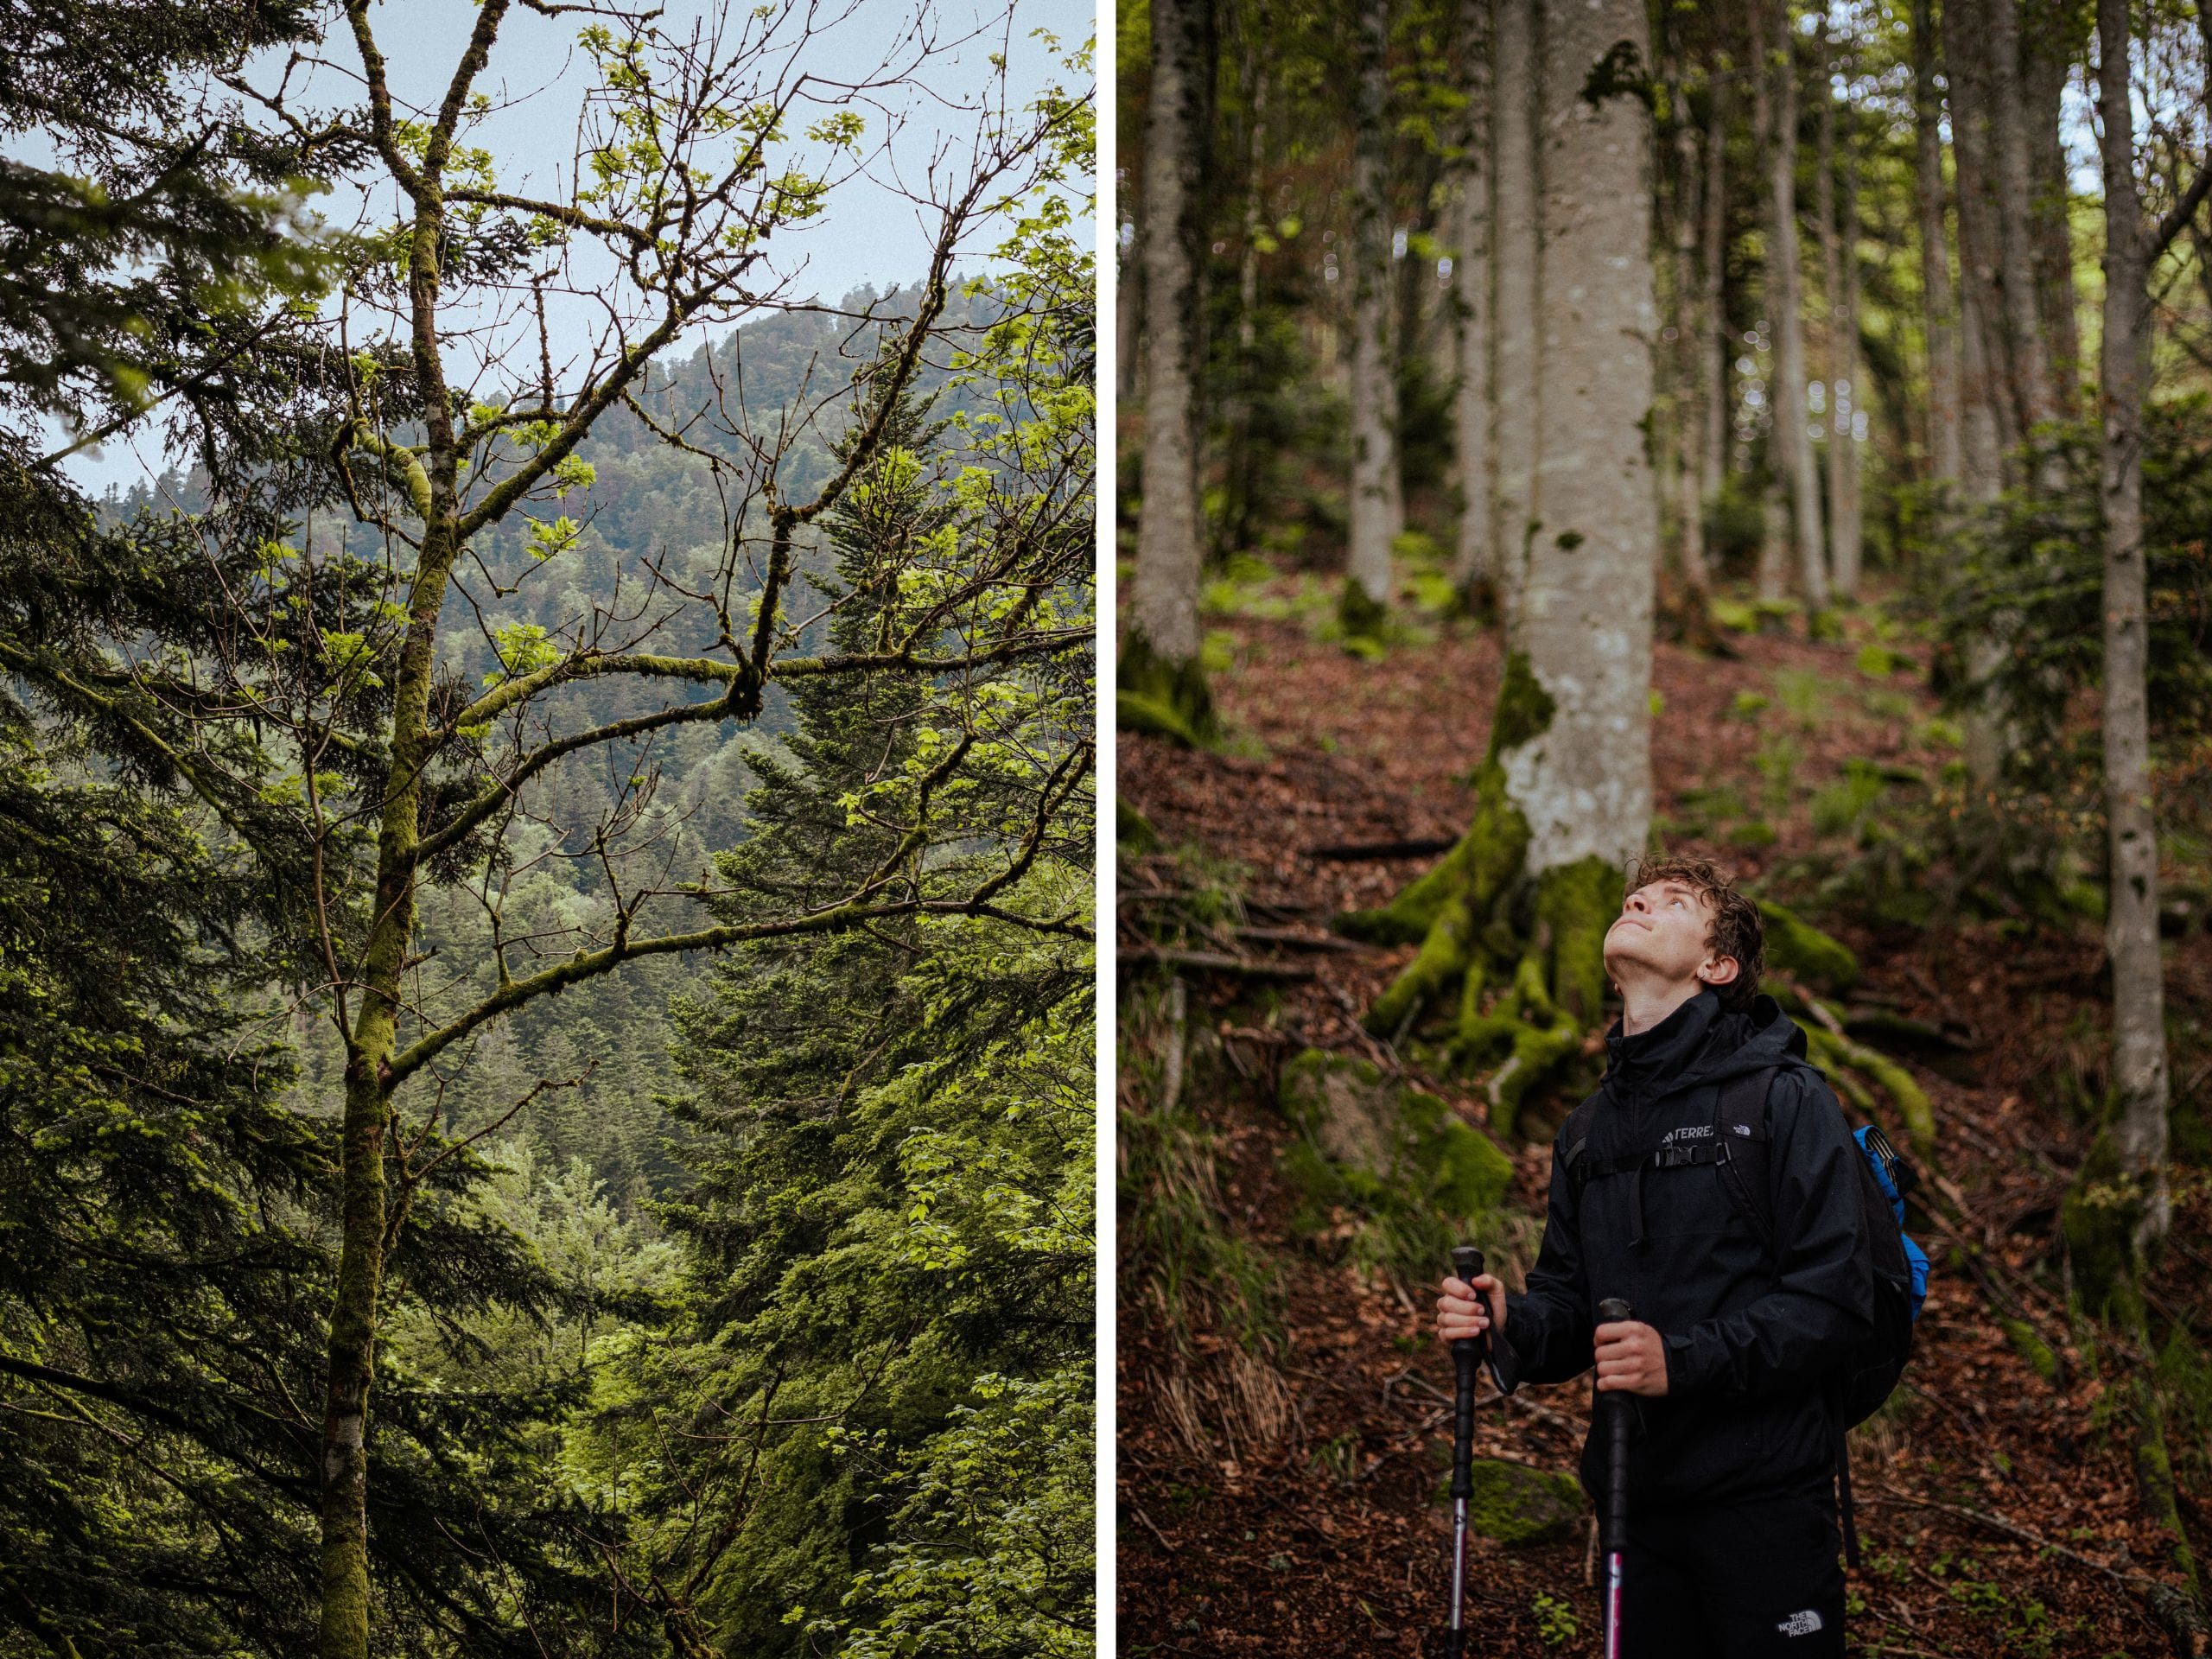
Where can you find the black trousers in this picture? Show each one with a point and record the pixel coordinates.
(1756, 1580)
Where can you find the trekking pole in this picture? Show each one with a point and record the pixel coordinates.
(1612, 1310)
(1466, 1353)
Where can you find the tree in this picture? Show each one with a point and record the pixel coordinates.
(1159, 658)
(1840, 285)
(1475, 558)
(1563, 797)
(1516, 212)
(1377, 511)
(880, 1385)
(1775, 46)
(1945, 458)
(2138, 1062)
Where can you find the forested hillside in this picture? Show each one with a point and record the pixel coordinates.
(1556, 433)
(545, 1101)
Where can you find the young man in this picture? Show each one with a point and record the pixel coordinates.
(1732, 1530)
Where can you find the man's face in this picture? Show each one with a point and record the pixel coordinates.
(1662, 930)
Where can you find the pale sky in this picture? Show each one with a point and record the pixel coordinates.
(537, 78)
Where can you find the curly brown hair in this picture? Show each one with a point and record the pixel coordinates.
(1736, 928)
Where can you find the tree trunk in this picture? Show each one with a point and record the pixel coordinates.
(1850, 397)
(1712, 345)
(1986, 428)
(1774, 532)
(1586, 622)
(2138, 1061)
(1563, 798)
(1373, 450)
(1243, 469)
(1474, 562)
(1160, 656)
(1944, 458)
(1516, 233)
(1839, 275)
(2028, 351)
(343, 1559)
(1128, 313)
(1785, 302)
(2050, 48)
(1686, 453)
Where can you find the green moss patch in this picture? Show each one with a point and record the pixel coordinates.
(1516, 1504)
(1796, 947)
(1410, 1175)
(1159, 698)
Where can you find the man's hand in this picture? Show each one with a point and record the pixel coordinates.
(1460, 1313)
(1631, 1356)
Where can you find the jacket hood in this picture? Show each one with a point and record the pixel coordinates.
(1701, 1042)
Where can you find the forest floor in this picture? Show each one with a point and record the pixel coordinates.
(1323, 1530)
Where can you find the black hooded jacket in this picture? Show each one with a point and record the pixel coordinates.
(1750, 1339)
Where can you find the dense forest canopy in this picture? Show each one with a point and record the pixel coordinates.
(547, 1093)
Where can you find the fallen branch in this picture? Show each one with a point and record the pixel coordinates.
(1376, 852)
(1220, 962)
(1297, 941)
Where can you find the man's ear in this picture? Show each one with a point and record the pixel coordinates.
(1718, 970)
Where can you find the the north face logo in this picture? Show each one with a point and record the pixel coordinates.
(1802, 1623)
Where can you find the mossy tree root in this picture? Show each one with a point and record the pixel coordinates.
(2100, 1217)
(2154, 1479)
(1360, 615)
(1481, 918)
(1158, 697)
(1838, 1056)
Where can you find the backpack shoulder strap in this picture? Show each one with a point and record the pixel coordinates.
(1574, 1139)
(1739, 1128)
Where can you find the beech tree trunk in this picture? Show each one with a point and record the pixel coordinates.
(1945, 460)
(1686, 455)
(2049, 45)
(1849, 533)
(2139, 1060)
(1374, 449)
(1785, 302)
(1838, 277)
(1586, 618)
(1563, 797)
(1775, 544)
(2028, 352)
(1474, 562)
(1518, 394)
(1164, 598)
(1987, 430)
(1712, 335)
(1128, 314)
(1243, 470)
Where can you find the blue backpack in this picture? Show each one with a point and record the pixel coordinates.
(1869, 1373)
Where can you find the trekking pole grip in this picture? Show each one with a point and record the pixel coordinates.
(1466, 1353)
(1612, 1310)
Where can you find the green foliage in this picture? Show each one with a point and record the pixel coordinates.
(1556, 1625)
(995, 1554)
(884, 1349)
(1794, 946)
(2033, 579)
